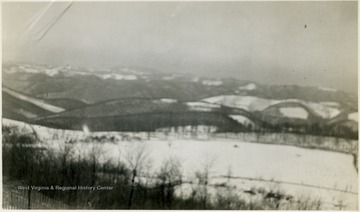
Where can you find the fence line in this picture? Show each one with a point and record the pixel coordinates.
(184, 181)
(337, 144)
(300, 140)
(286, 182)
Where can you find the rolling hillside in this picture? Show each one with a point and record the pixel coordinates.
(120, 107)
(38, 102)
(92, 86)
(66, 103)
(144, 99)
(17, 109)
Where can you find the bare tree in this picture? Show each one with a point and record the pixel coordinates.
(203, 177)
(138, 159)
(95, 153)
(64, 154)
(170, 175)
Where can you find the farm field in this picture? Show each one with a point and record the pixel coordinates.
(333, 172)
(328, 176)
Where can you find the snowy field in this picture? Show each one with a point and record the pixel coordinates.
(287, 165)
(327, 175)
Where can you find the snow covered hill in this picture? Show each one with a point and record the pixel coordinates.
(252, 103)
(107, 96)
(38, 102)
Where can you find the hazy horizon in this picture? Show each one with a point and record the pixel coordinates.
(301, 43)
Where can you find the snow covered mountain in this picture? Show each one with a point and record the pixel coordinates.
(55, 95)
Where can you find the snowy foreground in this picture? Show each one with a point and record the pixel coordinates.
(329, 176)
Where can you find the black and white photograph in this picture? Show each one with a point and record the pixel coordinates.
(179, 105)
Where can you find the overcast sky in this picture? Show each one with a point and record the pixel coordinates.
(305, 43)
